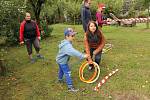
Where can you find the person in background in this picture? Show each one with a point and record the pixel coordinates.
(94, 42)
(29, 33)
(85, 13)
(65, 51)
(99, 15)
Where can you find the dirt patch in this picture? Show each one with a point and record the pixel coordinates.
(129, 96)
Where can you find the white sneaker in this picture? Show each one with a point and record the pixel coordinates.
(73, 90)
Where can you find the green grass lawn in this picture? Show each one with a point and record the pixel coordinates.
(38, 81)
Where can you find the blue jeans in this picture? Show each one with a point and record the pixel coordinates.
(64, 70)
(97, 56)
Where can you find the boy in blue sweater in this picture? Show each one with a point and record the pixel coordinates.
(65, 51)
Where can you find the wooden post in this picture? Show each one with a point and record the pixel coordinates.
(148, 15)
(2, 67)
(147, 23)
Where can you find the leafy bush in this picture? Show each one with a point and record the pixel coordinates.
(9, 19)
(45, 30)
(143, 14)
(11, 15)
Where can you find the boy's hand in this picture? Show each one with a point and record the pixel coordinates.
(86, 56)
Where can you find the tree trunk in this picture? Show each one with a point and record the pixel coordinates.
(147, 23)
(37, 10)
(74, 20)
(2, 67)
(59, 15)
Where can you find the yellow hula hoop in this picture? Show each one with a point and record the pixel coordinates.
(91, 80)
(94, 77)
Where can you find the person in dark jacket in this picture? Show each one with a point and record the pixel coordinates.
(29, 33)
(85, 13)
(94, 42)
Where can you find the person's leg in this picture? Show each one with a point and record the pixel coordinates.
(60, 73)
(36, 44)
(98, 57)
(28, 43)
(91, 66)
(91, 53)
(67, 73)
(84, 27)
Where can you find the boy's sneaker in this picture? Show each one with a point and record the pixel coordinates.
(61, 81)
(32, 60)
(40, 56)
(73, 89)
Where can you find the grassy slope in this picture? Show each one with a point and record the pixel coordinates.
(130, 54)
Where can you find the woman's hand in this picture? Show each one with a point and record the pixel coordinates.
(94, 52)
(90, 60)
(21, 43)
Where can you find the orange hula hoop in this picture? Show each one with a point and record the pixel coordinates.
(95, 75)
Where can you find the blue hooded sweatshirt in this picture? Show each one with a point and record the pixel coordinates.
(65, 51)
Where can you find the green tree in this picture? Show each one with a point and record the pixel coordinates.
(10, 15)
(36, 6)
(62, 10)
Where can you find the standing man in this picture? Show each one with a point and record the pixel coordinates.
(29, 33)
(85, 13)
(99, 15)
